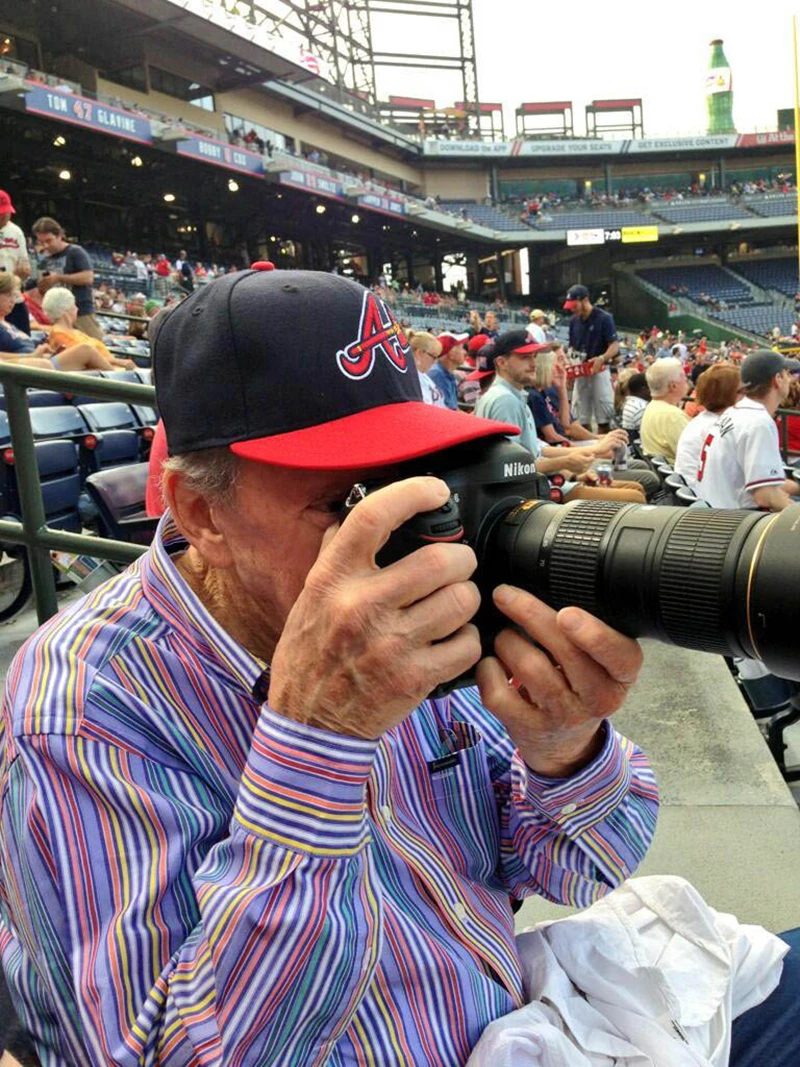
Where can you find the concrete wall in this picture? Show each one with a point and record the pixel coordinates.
(469, 183)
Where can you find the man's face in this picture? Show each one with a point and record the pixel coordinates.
(520, 370)
(454, 358)
(491, 320)
(784, 385)
(51, 242)
(274, 529)
(679, 386)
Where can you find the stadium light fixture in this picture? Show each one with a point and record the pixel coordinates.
(355, 218)
(65, 175)
(321, 209)
(59, 141)
(233, 185)
(137, 161)
(169, 198)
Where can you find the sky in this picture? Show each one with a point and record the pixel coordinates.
(657, 52)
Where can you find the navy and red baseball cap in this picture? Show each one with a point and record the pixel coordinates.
(506, 344)
(574, 296)
(298, 369)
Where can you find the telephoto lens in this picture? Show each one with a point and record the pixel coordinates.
(717, 581)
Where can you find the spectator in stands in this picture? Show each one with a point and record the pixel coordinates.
(443, 372)
(183, 269)
(549, 404)
(186, 752)
(664, 420)
(140, 268)
(60, 307)
(490, 324)
(634, 404)
(33, 301)
(740, 462)
(65, 263)
(14, 259)
(593, 335)
(536, 327)
(474, 324)
(17, 347)
(717, 390)
(426, 349)
(793, 421)
(162, 267)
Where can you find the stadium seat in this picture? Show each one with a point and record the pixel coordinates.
(59, 476)
(112, 421)
(119, 496)
(675, 481)
(686, 496)
(64, 421)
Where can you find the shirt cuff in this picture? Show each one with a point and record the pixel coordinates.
(578, 803)
(304, 788)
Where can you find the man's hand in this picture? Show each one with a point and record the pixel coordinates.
(362, 645)
(47, 281)
(598, 364)
(609, 442)
(576, 460)
(553, 699)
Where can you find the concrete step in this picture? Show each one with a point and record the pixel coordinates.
(728, 822)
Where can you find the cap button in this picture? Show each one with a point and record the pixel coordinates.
(262, 264)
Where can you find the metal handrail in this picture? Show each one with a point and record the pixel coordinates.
(33, 531)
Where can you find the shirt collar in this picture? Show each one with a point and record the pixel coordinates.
(175, 601)
(521, 394)
(751, 405)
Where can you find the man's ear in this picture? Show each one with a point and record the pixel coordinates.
(197, 520)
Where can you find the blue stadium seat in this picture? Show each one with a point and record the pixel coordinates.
(119, 496)
(65, 421)
(60, 479)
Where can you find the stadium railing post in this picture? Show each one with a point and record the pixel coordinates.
(33, 531)
(30, 498)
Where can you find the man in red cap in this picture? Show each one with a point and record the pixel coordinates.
(14, 259)
(443, 372)
(236, 828)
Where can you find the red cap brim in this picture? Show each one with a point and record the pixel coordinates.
(476, 375)
(379, 437)
(570, 305)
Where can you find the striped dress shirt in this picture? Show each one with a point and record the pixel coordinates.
(188, 878)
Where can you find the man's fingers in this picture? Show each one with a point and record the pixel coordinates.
(442, 613)
(620, 656)
(431, 567)
(371, 522)
(454, 656)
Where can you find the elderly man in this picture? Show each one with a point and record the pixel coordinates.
(234, 828)
(443, 372)
(664, 420)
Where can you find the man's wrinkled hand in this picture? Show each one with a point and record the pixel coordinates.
(553, 698)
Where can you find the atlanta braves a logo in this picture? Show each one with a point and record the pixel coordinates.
(378, 334)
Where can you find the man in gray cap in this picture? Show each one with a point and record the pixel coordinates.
(740, 463)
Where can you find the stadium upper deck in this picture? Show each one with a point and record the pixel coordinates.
(151, 105)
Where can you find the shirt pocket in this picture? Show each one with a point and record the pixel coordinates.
(468, 821)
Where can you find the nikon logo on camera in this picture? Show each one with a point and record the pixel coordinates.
(516, 469)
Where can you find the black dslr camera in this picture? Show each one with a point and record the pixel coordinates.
(718, 581)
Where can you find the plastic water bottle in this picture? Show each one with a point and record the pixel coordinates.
(621, 457)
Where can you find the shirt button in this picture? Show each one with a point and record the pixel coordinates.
(386, 813)
(461, 912)
(568, 809)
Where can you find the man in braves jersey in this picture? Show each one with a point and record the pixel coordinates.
(14, 259)
(740, 462)
(593, 334)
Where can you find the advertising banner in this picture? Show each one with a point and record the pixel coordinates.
(387, 205)
(223, 155)
(315, 183)
(78, 110)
